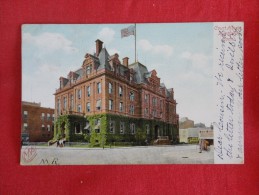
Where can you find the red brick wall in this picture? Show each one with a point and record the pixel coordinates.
(35, 122)
(153, 90)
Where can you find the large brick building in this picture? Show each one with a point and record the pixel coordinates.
(37, 122)
(106, 100)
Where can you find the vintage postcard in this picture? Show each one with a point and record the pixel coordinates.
(161, 93)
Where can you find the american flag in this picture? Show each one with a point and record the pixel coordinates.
(128, 31)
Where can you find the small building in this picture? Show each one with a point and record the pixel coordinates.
(191, 135)
(207, 134)
(37, 122)
(201, 125)
(185, 123)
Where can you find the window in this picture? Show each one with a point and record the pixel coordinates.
(53, 117)
(77, 128)
(71, 102)
(98, 104)
(25, 126)
(161, 104)
(146, 98)
(132, 128)
(42, 116)
(79, 93)
(120, 91)
(97, 125)
(87, 127)
(112, 127)
(154, 113)
(122, 127)
(131, 109)
(58, 106)
(65, 103)
(99, 88)
(131, 78)
(110, 104)
(88, 91)
(97, 121)
(154, 101)
(121, 106)
(131, 96)
(25, 114)
(48, 117)
(48, 127)
(147, 129)
(88, 109)
(110, 88)
(88, 70)
(146, 111)
(43, 127)
(79, 108)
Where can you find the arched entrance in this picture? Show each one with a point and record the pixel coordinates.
(156, 131)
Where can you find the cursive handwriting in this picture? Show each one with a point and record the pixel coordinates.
(228, 76)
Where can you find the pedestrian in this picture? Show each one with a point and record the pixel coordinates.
(58, 143)
(200, 144)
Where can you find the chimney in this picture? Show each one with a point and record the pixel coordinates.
(99, 46)
(126, 61)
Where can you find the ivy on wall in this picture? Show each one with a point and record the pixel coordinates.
(65, 126)
(100, 135)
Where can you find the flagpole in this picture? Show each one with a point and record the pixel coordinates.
(135, 43)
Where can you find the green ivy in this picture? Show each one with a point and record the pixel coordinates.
(104, 136)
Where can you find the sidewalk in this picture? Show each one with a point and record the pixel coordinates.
(176, 154)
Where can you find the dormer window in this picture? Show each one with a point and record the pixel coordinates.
(88, 69)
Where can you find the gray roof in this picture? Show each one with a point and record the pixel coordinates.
(79, 72)
(103, 59)
(102, 62)
(141, 72)
(162, 85)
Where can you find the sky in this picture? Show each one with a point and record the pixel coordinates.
(181, 53)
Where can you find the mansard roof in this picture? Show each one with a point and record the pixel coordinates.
(103, 60)
(141, 72)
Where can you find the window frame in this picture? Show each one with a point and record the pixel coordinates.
(132, 96)
(79, 108)
(122, 127)
(110, 88)
(120, 91)
(132, 128)
(88, 107)
(99, 87)
(110, 104)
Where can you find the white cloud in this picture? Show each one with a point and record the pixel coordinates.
(199, 62)
(146, 46)
(49, 42)
(113, 51)
(41, 85)
(106, 35)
